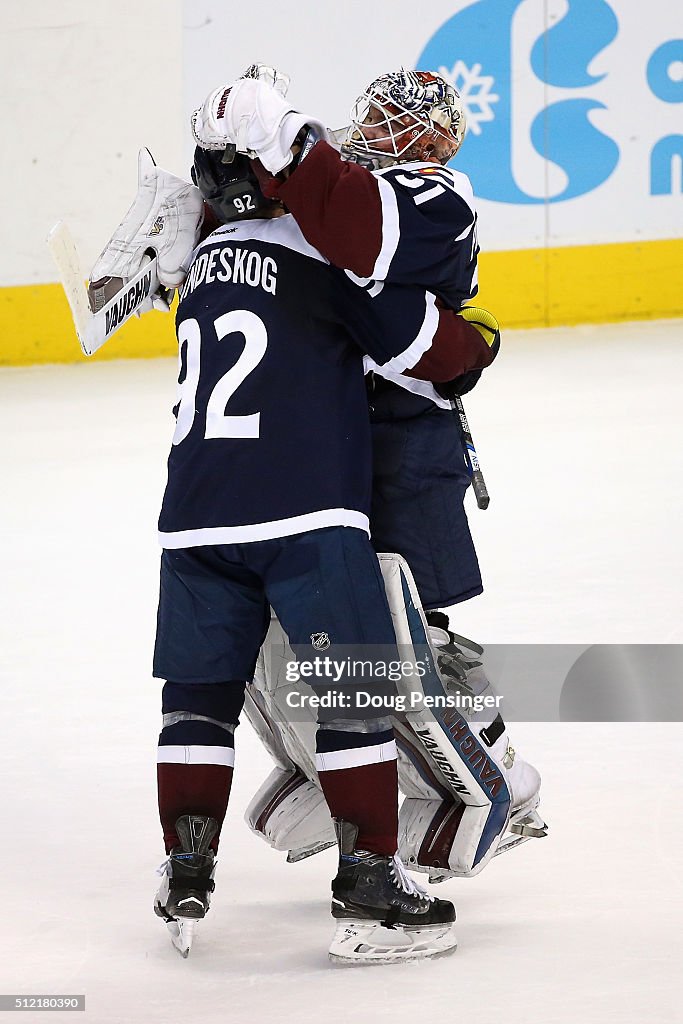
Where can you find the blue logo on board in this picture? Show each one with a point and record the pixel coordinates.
(474, 50)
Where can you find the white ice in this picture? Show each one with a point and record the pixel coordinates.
(579, 434)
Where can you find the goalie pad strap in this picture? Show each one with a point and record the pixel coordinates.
(493, 732)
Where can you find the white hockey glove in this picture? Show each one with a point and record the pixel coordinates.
(277, 80)
(164, 221)
(201, 120)
(255, 118)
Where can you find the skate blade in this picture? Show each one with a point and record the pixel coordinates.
(368, 942)
(182, 932)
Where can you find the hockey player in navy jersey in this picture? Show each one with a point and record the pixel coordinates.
(267, 504)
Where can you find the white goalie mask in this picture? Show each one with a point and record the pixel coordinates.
(407, 115)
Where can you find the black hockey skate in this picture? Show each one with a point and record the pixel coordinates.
(185, 892)
(383, 915)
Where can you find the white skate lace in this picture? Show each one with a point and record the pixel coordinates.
(406, 881)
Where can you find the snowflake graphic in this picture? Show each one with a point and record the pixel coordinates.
(475, 92)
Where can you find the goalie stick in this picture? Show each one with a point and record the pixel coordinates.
(94, 329)
(478, 484)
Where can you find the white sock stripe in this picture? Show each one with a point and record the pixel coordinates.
(354, 757)
(196, 754)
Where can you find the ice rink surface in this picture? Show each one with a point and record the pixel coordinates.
(579, 433)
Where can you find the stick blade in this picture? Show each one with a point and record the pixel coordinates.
(134, 298)
(63, 251)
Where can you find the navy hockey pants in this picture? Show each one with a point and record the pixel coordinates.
(419, 482)
(214, 602)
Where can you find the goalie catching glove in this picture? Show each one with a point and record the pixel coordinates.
(163, 222)
(253, 116)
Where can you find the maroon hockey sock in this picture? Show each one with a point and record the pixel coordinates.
(367, 796)
(192, 789)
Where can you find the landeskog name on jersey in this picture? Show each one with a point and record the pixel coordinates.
(272, 433)
(227, 264)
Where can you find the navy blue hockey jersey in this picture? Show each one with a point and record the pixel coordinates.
(429, 230)
(272, 433)
(412, 223)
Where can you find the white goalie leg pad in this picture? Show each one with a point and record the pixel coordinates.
(428, 831)
(291, 814)
(431, 814)
(268, 731)
(266, 706)
(164, 220)
(463, 783)
(454, 659)
(459, 752)
(438, 830)
(289, 810)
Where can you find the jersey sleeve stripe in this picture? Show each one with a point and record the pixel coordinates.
(431, 193)
(265, 531)
(390, 231)
(463, 186)
(467, 231)
(419, 346)
(417, 387)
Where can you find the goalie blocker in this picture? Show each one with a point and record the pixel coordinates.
(468, 796)
(141, 264)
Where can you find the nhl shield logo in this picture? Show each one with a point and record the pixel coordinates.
(320, 641)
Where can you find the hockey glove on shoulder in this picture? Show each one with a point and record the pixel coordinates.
(254, 117)
(487, 325)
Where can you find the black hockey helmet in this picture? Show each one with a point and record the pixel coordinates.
(227, 182)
